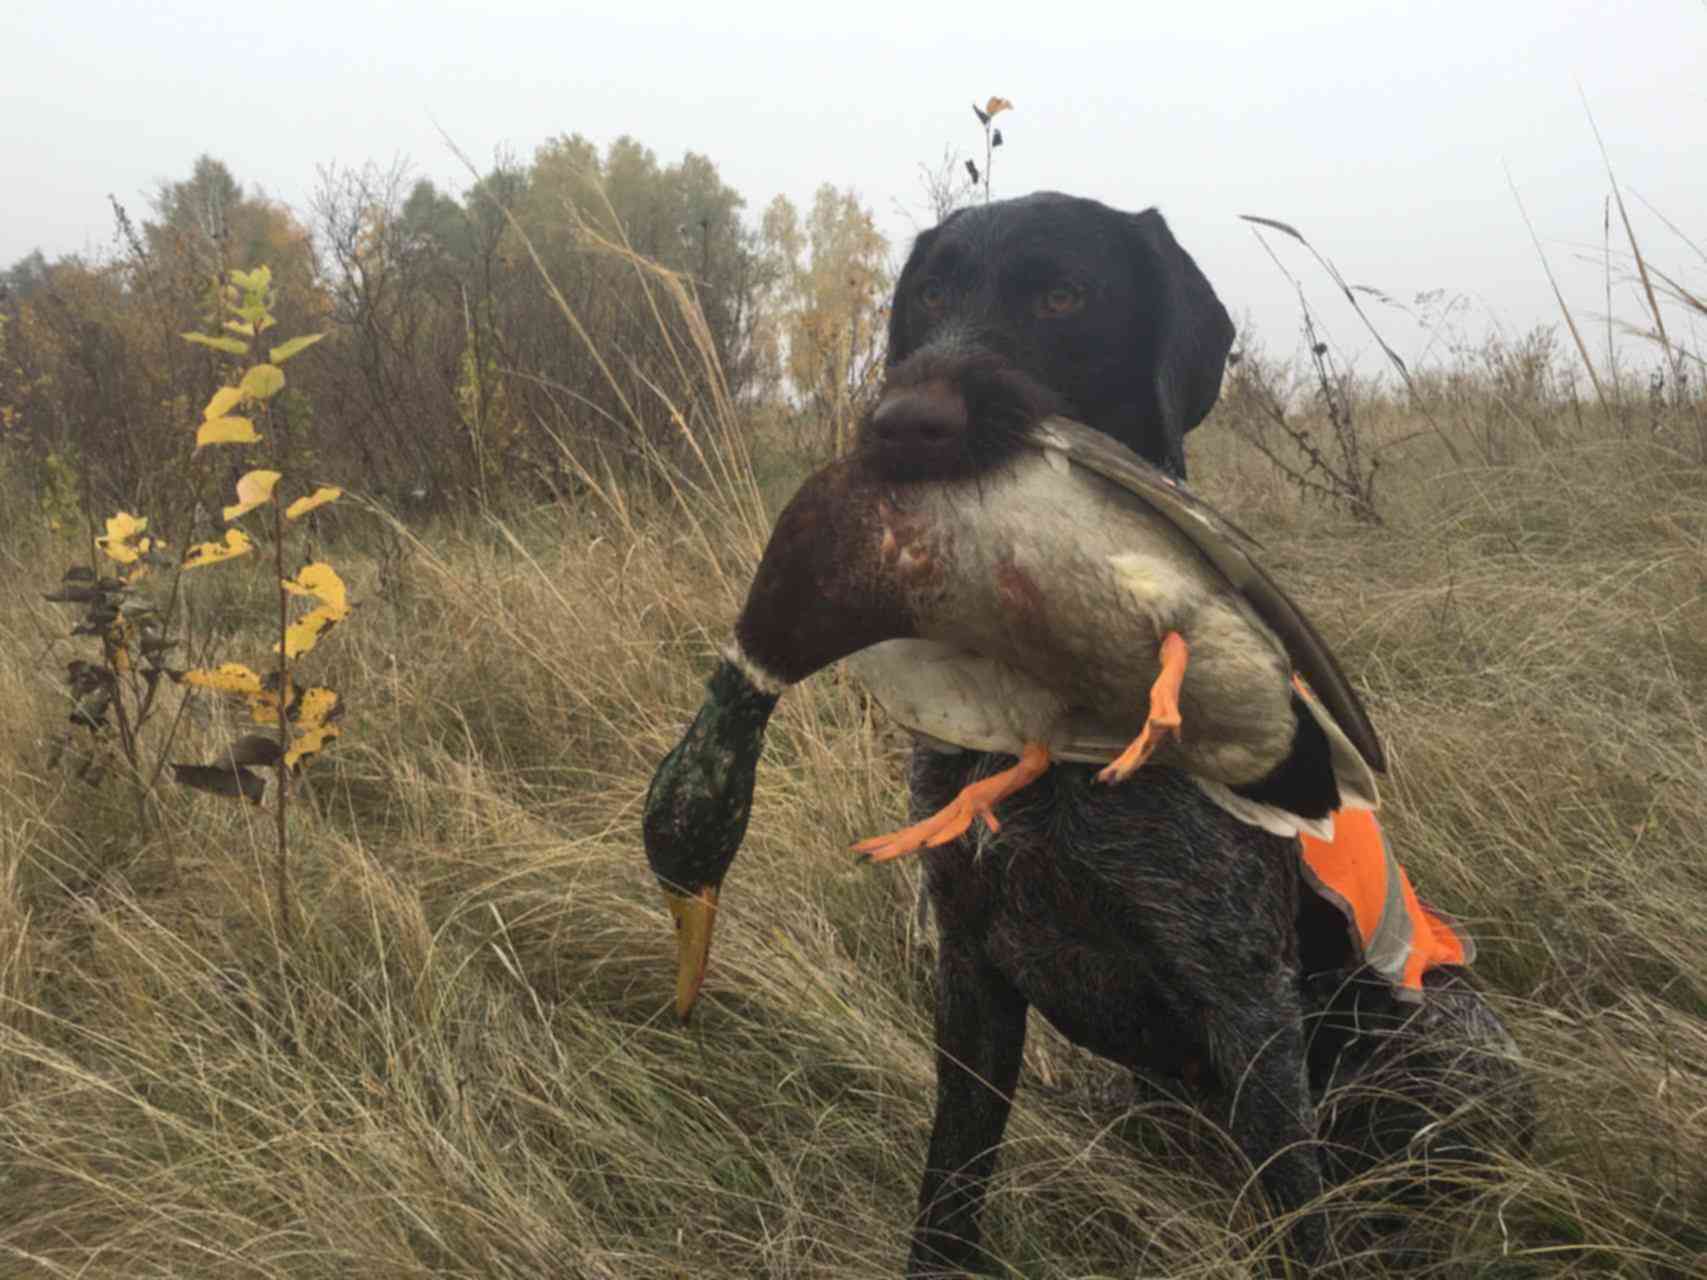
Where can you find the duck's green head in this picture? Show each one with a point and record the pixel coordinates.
(697, 809)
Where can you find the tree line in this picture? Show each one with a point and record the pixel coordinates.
(450, 373)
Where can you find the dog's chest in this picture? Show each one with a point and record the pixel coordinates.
(1092, 941)
(1113, 911)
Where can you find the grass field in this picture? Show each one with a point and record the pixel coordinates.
(462, 1062)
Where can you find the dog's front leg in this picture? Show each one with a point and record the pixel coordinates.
(980, 1033)
(1256, 1085)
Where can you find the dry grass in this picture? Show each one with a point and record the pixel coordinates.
(466, 1066)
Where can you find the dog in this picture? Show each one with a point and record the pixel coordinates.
(1143, 922)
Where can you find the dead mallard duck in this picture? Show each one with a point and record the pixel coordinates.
(1023, 603)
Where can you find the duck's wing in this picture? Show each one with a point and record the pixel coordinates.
(1224, 546)
(963, 699)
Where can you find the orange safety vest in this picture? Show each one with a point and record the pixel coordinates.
(1400, 936)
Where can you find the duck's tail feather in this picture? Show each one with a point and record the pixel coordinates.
(1352, 773)
(1262, 814)
(1323, 773)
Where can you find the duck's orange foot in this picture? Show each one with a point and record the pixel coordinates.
(977, 800)
(1164, 712)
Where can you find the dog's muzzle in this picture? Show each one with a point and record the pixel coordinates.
(926, 415)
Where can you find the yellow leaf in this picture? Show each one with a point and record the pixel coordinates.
(997, 105)
(232, 677)
(223, 402)
(254, 488)
(262, 382)
(118, 646)
(120, 543)
(241, 326)
(322, 582)
(231, 346)
(310, 743)
(316, 708)
(259, 278)
(319, 498)
(124, 526)
(226, 431)
(303, 634)
(285, 350)
(236, 544)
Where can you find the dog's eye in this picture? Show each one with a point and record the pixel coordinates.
(932, 295)
(1060, 300)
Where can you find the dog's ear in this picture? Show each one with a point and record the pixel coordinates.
(1192, 332)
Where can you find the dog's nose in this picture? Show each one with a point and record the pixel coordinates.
(928, 412)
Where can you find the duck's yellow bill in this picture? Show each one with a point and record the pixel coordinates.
(694, 915)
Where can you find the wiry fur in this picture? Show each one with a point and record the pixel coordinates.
(1143, 921)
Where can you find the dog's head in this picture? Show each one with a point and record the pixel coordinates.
(1047, 304)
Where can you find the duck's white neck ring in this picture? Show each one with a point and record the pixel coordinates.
(756, 675)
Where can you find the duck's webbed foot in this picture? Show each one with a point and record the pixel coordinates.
(977, 800)
(1164, 712)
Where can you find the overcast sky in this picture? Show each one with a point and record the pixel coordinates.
(1383, 131)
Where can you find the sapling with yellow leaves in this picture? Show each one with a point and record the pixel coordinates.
(289, 719)
(295, 720)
